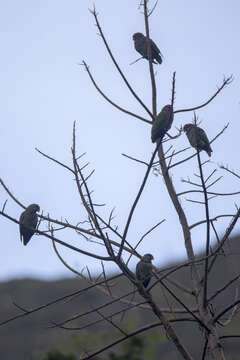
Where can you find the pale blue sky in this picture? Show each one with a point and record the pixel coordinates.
(43, 90)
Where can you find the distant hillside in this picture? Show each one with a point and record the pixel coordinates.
(23, 338)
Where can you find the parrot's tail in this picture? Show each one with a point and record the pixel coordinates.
(209, 151)
(158, 59)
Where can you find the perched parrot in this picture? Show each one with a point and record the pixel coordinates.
(144, 269)
(28, 223)
(197, 138)
(140, 44)
(162, 123)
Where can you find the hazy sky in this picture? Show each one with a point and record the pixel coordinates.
(43, 90)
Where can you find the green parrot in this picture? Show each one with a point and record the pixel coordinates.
(197, 138)
(140, 44)
(162, 123)
(28, 222)
(144, 269)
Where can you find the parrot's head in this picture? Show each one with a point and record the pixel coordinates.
(33, 208)
(147, 258)
(167, 108)
(187, 127)
(138, 36)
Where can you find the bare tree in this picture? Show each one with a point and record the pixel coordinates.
(98, 229)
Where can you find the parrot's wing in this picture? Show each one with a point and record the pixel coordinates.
(155, 48)
(138, 270)
(34, 221)
(202, 137)
(140, 46)
(161, 125)
(21, 220)
(166, 120)
(192, 136)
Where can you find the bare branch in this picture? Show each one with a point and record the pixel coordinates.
(61, 242)
(217, 317)
(134, 159)
(219, 291)
(62, 298)
(208, 192)
(212, 173)
(135, 202)
(191, 183)
(184, 306)
(54, 160)
(112, 323)
(145, 328)
(214, 182)
(77, 316)
(190, 157)
(196, 201)
(229, 337)
(109, 100)
(212, 219)
(116, 64)
(64, 262)
(136, 60)
(101, 320)
(11, 195)
(150, 63)
(224, 238)
(4, 205)
(173, 88)
(141, 239)
(225, 82)
(106, 282)
(134, 333)
(230, 171)
(153, 8)
(205, 288)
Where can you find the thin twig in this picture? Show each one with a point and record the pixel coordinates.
(207, 229)
(229, 307)
(136, 60)
(226, 81)
(135, 202)
(144, 235)
(150, 63)
(61, 242)
(109, 320)
(54, 160)
(135, 159)
(116, 64)
(230, 171)
(212, 219)
(208, 192)
(134, 333)
(191, 156)
(108, 99)
(224, 238)
(62, 298)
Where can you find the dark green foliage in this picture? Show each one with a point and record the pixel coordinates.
(32, 293)
(144, 269)
(57, 355)
(140, 44)
(162, 123)
(133, 349)
(197, 138)
(28, 222)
